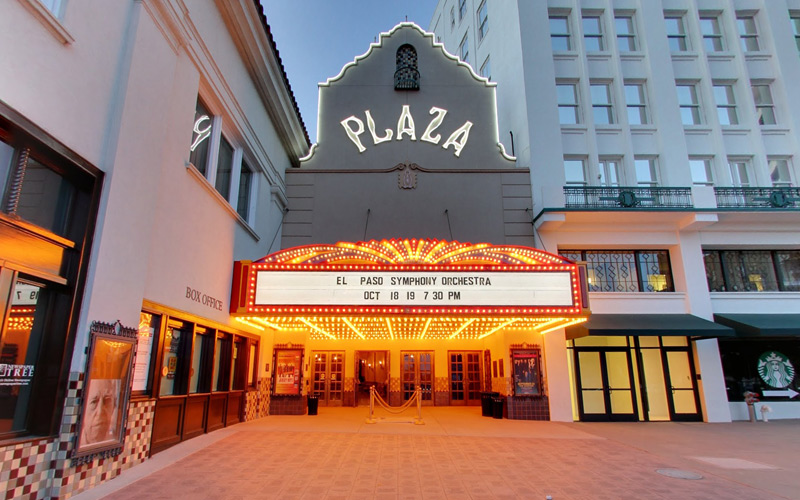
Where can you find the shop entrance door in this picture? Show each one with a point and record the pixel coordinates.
(681, 382)
(417, 370)
(327, 377)
(465, 378)
(605, 384)
(372, 370)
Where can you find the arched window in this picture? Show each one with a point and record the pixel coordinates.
(406, 75)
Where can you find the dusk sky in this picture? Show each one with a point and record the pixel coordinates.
(316, 38)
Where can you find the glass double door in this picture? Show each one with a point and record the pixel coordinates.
(417, 370)
(328, 377)
(605, 384)
(465, 378)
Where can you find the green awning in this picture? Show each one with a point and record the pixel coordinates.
(761, 325)
(683, 325)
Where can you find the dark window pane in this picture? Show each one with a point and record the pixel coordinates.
(6, 156)
(45, 198)
(714, 276)
(245, 179)
(200, 374)
(222, 365)
(224, 168)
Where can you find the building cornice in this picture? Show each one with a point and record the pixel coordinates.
(248, 27)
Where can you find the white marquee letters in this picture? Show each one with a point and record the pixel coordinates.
(433, 125)
(405, 125)
(353, 134)
(458, 139)
(354, 128)
(371, 127)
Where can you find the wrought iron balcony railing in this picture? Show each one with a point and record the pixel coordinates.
(406, 78)
(758, 198)
(627, 197)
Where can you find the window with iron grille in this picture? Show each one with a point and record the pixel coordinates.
(752, 270)
(406, 75)
(625, 270)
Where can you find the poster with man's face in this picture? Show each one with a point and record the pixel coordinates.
(105, 394)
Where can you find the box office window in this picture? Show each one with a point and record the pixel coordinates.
(222, 363)
(239, 364)
(175, 357)
(202, 356)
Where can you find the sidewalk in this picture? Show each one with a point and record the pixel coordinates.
(460, 455)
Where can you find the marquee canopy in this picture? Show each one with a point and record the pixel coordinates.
(409, 289)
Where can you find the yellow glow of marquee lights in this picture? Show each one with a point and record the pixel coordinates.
(383, 254)
(408, 327)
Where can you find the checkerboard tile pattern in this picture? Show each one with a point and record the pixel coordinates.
(256, 404)
(43, 469)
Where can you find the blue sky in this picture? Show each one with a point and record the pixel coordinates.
(316, 38)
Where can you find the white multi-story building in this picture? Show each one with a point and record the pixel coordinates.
(663, 145)
(143, 145)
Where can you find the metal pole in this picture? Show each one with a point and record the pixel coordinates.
(371, 418)
(418, 420)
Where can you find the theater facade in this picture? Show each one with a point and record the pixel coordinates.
(409, 259)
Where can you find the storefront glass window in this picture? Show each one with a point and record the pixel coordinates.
(19, 352)
(759, 365)
(173, 380)
(239, 356)
(788, 264)
(251, 372)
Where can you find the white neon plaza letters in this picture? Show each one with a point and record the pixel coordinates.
(354, 127)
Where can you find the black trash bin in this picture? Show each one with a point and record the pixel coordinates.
(313, 404)
(486, 403)
(498, 402)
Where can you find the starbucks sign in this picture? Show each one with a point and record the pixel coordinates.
(775, 369)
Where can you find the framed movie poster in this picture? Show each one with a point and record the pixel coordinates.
(106, 391)
(288, 369)
(526, 372)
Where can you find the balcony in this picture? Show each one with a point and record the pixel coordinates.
(758, 198)
(627, 198)
(406, 78)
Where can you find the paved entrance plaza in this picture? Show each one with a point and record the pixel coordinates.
(458, 454)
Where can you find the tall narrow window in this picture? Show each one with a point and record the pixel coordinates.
(702, 174)
(748, 33)
(593, 33)
(463, 49)
(568, 110)
(560, 35)
(676, 33)
(609, 171)
(486, 69)
(635, 101)
(602, 109)
(483, 20)
(452, 18)
(796, 29)
(245, 188)
(406, 74)
(198, 151)
(224, 168)
(575, 171)
(712, 33)
(779, 171)
(740, 172)
(765, 107)
(726, 105)
(626, 38)
(689, 104)
(646, 171)
(462, 9)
